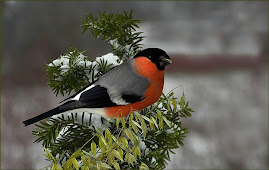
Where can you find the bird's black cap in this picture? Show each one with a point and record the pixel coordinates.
(157, 56)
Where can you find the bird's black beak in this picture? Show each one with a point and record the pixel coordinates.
(164, 61)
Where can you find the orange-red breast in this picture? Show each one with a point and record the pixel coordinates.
(133, 85)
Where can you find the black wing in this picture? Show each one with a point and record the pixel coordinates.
(77, 92)
(97, 97)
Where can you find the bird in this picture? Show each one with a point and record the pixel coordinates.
(131, 86)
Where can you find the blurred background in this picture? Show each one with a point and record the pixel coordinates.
(220, 57)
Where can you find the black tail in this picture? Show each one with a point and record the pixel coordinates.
(42, 116)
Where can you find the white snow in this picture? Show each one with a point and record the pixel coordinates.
(114, 43)
(62, 60)
(65, 60)
(82, 60)
(110, 58)
(56, 62)
(65, 68)
(84, 63)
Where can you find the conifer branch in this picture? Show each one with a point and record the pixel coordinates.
(142, 140)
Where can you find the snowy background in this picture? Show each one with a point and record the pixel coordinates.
(220, 57)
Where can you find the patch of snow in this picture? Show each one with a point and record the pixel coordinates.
(57, 62)
(65, 68)
(110, 58)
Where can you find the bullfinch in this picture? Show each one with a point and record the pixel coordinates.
(131, 86)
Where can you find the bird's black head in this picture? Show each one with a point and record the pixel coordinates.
(157, 56)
